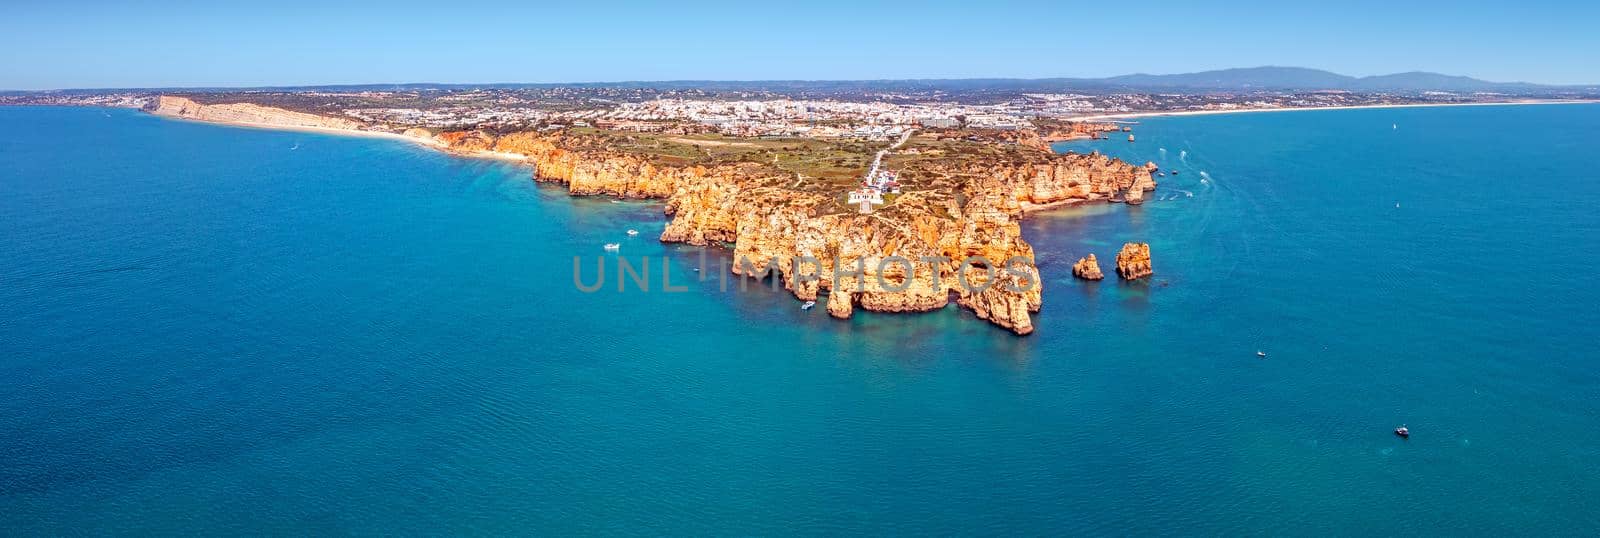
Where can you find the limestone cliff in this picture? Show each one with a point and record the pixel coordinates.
(1049, 180)
(245, 113)
(953, 235)
(917, 254)
(592, 171)
(1056, 131)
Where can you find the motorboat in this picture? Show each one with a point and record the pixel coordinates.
(807, 305)
(613, 246)
(1403, 432)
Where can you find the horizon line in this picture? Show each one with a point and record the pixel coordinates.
(793, 80)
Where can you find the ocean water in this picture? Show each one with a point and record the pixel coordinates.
(212, 330)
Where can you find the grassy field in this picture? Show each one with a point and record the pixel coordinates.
(815, 165)
(933, 168)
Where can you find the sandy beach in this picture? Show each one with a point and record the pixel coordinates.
(1131, 115)
(427, 142)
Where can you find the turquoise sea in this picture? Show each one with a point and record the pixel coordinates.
(212, 330)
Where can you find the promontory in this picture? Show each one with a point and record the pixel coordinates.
(942, 201)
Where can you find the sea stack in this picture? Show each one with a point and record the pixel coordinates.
(1142, 183)
(840, 304)
(1133, 262)
(1087, 268)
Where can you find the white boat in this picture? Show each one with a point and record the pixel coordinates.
(633, 232)
(808, 305)
(613, 246)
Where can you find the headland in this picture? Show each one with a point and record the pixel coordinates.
(941, 228)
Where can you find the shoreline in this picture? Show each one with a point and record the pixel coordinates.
(1151, 114)
(426, 142)
(512, 157)
(1026, 208)
(701, 214)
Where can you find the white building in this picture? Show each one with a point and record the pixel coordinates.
(864, 195)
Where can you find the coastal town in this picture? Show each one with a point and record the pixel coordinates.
(772, 110)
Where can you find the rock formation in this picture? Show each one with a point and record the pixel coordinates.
(952, 235)
(1133, 262)
(245, 113)
(1087, 268)
(1077, 130)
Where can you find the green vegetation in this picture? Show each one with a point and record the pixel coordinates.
(933, 167)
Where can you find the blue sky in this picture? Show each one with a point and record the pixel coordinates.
(68, 44)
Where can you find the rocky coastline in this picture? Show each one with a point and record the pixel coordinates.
(953, 236)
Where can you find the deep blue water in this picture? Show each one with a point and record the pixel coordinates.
(205, 331)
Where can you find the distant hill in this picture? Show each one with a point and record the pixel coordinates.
(1239, 78)
(1268, 78)
(1300, 78)
(1433, 81)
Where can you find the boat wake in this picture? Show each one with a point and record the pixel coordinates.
(1176, 195)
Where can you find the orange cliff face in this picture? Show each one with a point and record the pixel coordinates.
(589, 172)
(1073, 130)
(952, 236)
(911, 256)
(1073, 178)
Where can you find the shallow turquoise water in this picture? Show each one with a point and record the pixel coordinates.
(203, 330)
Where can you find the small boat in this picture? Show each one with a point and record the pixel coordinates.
(808, 305)
(633, 232)
(1261, 354)
(1174, 172)
(613, 246)
(1403, 432)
